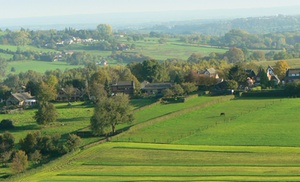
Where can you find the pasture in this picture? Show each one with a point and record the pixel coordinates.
(168, 162)
(293, 63)
(70, 120)
(25, 48)
(38, 66)
(171, 49)
(257, 140)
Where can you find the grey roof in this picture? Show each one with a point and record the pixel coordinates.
(155, 86)
(209, 70)
(293, 71)
(22, 96)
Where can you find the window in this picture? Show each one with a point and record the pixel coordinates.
(293, 74)
(297, 74)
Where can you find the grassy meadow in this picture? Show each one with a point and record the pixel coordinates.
(38, 66)
(168, 162)
(293, 63)
(25, 48)
(173, 48)
(257, 140)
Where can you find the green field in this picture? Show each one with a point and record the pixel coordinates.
(25, 48)
(70, 120)
(168, 162)
(172, 49)
(38, 66)
(6, 56)
(293, 63)
(257, 140)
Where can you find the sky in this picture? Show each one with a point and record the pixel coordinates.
(45, 8)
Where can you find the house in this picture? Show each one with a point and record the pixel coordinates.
(68, 52)
(126, 87)
(65, 95)
(271, 75)
(211, 72)
(251, 76)
(21, 99)
(250, 73)
(292, 75)
(155, 88)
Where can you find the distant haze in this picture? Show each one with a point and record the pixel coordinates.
(121, 20)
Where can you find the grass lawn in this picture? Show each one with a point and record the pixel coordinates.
(254, 142)
(293, 63)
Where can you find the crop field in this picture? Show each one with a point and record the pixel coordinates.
(257, 140)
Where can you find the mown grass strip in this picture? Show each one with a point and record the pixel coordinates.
(177, 175)
(182, 150)
(189, 165)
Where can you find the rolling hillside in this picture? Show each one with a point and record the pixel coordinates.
(254, 142)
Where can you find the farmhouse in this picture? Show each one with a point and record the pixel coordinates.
(211, 72)
(292, 75)
(73, 94)
(271, 75)
(21, 99)
(155, 88)
(126, 87)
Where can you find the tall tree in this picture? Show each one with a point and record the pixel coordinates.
(29, 143)
(264, 81)
(105, 31)
(237, 73)
(107, 88)
(235, 55)
(20, 162)
(46, 113)
(153, 71)
(3, 65)
(280, 68)
(177, 89)
(6, 146)
(46, 92)
(109, 113)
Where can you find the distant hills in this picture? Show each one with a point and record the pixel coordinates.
(255, 25)
(206, 21)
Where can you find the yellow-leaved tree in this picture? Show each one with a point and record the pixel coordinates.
(280, 69)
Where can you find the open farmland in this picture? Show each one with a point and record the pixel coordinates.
(38, 66)
(25, 48)
(168, 162)
(171, 49)
(253, 142)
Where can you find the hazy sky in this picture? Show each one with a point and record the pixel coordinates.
(38, 8)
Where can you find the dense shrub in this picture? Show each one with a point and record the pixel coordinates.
(6, 124)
